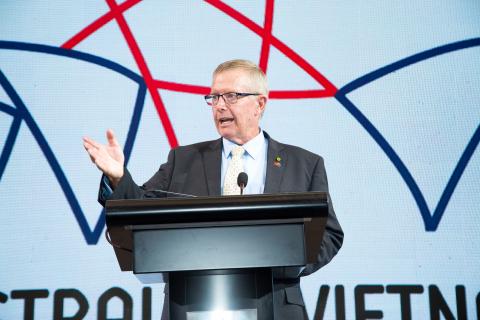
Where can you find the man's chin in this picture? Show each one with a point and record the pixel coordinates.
(225, 132)
(228, 134)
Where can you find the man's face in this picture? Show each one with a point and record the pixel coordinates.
(238, 122)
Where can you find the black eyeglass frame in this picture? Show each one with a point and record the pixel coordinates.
(237, 96)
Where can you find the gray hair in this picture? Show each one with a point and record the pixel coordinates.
(256, 74)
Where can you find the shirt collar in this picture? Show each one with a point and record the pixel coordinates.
(252, 147)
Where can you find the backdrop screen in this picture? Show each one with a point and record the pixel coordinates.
(385, 91)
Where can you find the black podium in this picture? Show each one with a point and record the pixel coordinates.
(219, 255)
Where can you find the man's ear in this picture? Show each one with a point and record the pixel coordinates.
(261, 104)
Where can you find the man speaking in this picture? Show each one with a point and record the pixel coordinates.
(238, 98)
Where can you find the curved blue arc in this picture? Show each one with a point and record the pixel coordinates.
(391, 154)
(8, 109)
(424, 55)
(21, 113)
(135, 122)
(91, 237)
(47, 151)
(10, 140)
(41, 48)
(431, 222)
(456, 175)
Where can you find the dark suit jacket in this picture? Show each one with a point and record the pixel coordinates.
(196, 169)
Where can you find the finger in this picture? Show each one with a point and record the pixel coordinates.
(91, 157)
(96, 153)
(97, 159)
(92, 142)
(112, 140)
(87, 144)
(92, 152)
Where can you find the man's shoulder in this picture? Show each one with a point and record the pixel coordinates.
(294, 151)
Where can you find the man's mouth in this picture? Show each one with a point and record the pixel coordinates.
(225, 120)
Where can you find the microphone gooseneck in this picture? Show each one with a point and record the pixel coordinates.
(242, 180)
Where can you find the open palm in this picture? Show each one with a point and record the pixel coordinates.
(108, 158)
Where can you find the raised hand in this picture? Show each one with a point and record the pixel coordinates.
(108, 158)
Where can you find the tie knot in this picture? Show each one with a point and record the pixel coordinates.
(237, 152)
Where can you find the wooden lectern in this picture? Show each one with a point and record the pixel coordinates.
(218, 254)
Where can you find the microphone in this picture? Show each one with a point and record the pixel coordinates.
(177, 194)
(242, 180)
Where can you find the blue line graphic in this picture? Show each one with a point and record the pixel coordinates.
(8, 109)
(21, 113)
(431, 221)
(418, 57)
(11, 137)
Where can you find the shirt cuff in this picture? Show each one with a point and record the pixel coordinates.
(106, 188)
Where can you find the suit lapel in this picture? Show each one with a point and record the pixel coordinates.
(212, 163)
(276, 163)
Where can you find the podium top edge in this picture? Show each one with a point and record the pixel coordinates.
(280, 198)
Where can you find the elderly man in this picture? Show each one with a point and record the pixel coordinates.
(238, 98)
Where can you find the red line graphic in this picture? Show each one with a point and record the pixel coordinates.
(237, 16)
(116, 12)
(147, 76)
(180, 87)
(275, 94)
(300, 94)
(267, 35)
(97, 24)
(329, 88)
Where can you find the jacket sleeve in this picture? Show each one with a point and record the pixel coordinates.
(333, 235)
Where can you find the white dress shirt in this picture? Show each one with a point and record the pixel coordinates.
(254, 162)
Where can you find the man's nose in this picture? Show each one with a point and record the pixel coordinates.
(221, 104)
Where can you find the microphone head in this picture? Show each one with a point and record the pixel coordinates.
(242, 180)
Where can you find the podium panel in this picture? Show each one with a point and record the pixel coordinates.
(210, 248)
(219, 255)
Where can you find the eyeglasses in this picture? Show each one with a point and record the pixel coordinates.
(229, 97)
